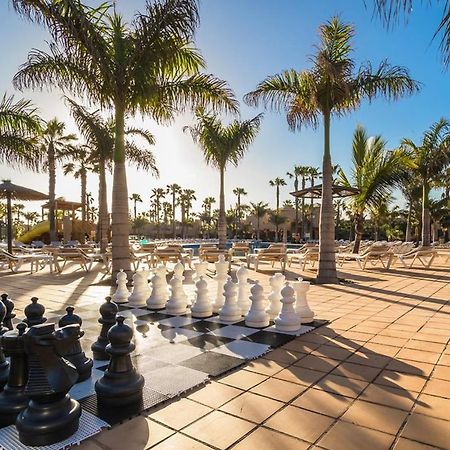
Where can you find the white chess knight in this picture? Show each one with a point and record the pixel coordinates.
(257, 316)
(177, 303)
(122, 293)
(200, 269)
(276, 283)
(141, 290)
(221, 278)
(230, 311)
(302, 308)
(243, 289)
(158, 297)
(202, 307)
(288, 319)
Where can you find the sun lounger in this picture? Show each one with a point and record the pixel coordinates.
(374, 254)
(240, 247)
(15, 262)
(76, 255)
(172, 254)
(274, 253)
(308, 255)
(425, 255)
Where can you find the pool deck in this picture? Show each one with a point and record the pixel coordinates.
(376, 377)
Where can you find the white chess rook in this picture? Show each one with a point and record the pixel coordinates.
(276, 283)
(257, 316)
(288, 319)
(230, 311)
(122, 293)
(158, 297)
(221, 278)
(140, 290)
(202, 307)
(243, 289)
(302, 308)
(176, 304)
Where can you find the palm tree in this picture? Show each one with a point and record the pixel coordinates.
(429, 161)
(288, 204)
(19, 126)
(298, 172)
(223, 145)
(150, 66)
(174, 190)
(30, 217)
(277, 219)
(17, 208)
(259, 210)
(186, 198)
(157, 195)
(135, 198)
(239, 192)
(99, 136)
(330, 88)
(58, 146)
(375, 172)
(313, 173)
(277, 182)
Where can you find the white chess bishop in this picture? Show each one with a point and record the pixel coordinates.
(230, 311)
(276, 283)
(202, 306)
(141, 290)
(243, 289)
(221, 278)
(122, 293)
(257, 316)
(288, 319)
(158, 297)
(176, 305)
(302, 308)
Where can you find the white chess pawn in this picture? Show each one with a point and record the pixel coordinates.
(141, 290)
(178, 271)
(158, 297)
(221, 278)
(288, 319)
(202, 307)
(122, 293)
(230, 311)
(176, 304)
(200, 269)
(257, 316)
(302, 308)
(276, 283)
(243, 294)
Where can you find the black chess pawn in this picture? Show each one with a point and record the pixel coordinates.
(4, 365)
(9, 304)
(108, 311)
(34, 313)
(121, 384)
(51, 415)
(13, 398)
(75, 354)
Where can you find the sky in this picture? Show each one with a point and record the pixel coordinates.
(244, 41)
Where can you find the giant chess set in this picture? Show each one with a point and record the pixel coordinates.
(148, 346)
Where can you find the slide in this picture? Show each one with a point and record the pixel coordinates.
(35, 233)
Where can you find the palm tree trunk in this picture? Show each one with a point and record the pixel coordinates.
(425, 215)
(408, 224)
(135, 209)
(173, 215)
(120, 224)
(257, 228)
(51, 190)
(278, 212)
(222, 224)
(296, 215)
(358, 232)
(103, 208)
(303, 210)
(311, 234)
(326, 272)
(83, 179)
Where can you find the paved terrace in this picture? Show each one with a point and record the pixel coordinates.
(377, 377)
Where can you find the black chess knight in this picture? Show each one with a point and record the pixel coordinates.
(51, 415)
(108, 311)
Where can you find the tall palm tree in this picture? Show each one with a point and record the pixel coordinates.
(259, 210)
(277, 182)
(135, 198)
(186, 198)
(313, 173)
(30, 217)
(375, 171)
(298, 172)
(239, 192)
(429, 161)
(17, 208)
(99, 136)
(150, 66)
(223, 145)
(157, 196)
(330, 88)
(19, 126)
(174, 190)
(58, 146)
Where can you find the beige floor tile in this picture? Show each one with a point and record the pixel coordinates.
(278, 389)
(243, 379)
(375, 416)
(302, 346)
(284, 356)
(442, 373)
(428, 430)
(441, 388)
(219, 429)
(356, 371)
(140, 433)
(406, 444)
(348, 436)
(369, 359)
(418, 355)
(323, 402)
(178, 442)
(411, 367)
(314, 362)
(299, 375)
(333, 352)
(341, 385)
(265, 439)
(425, 346)
(384, 395)
(305, 425)
(180, 413)
(265, 367)
(401, 380)
(431, 405)
(252, 407)
(215, 394)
